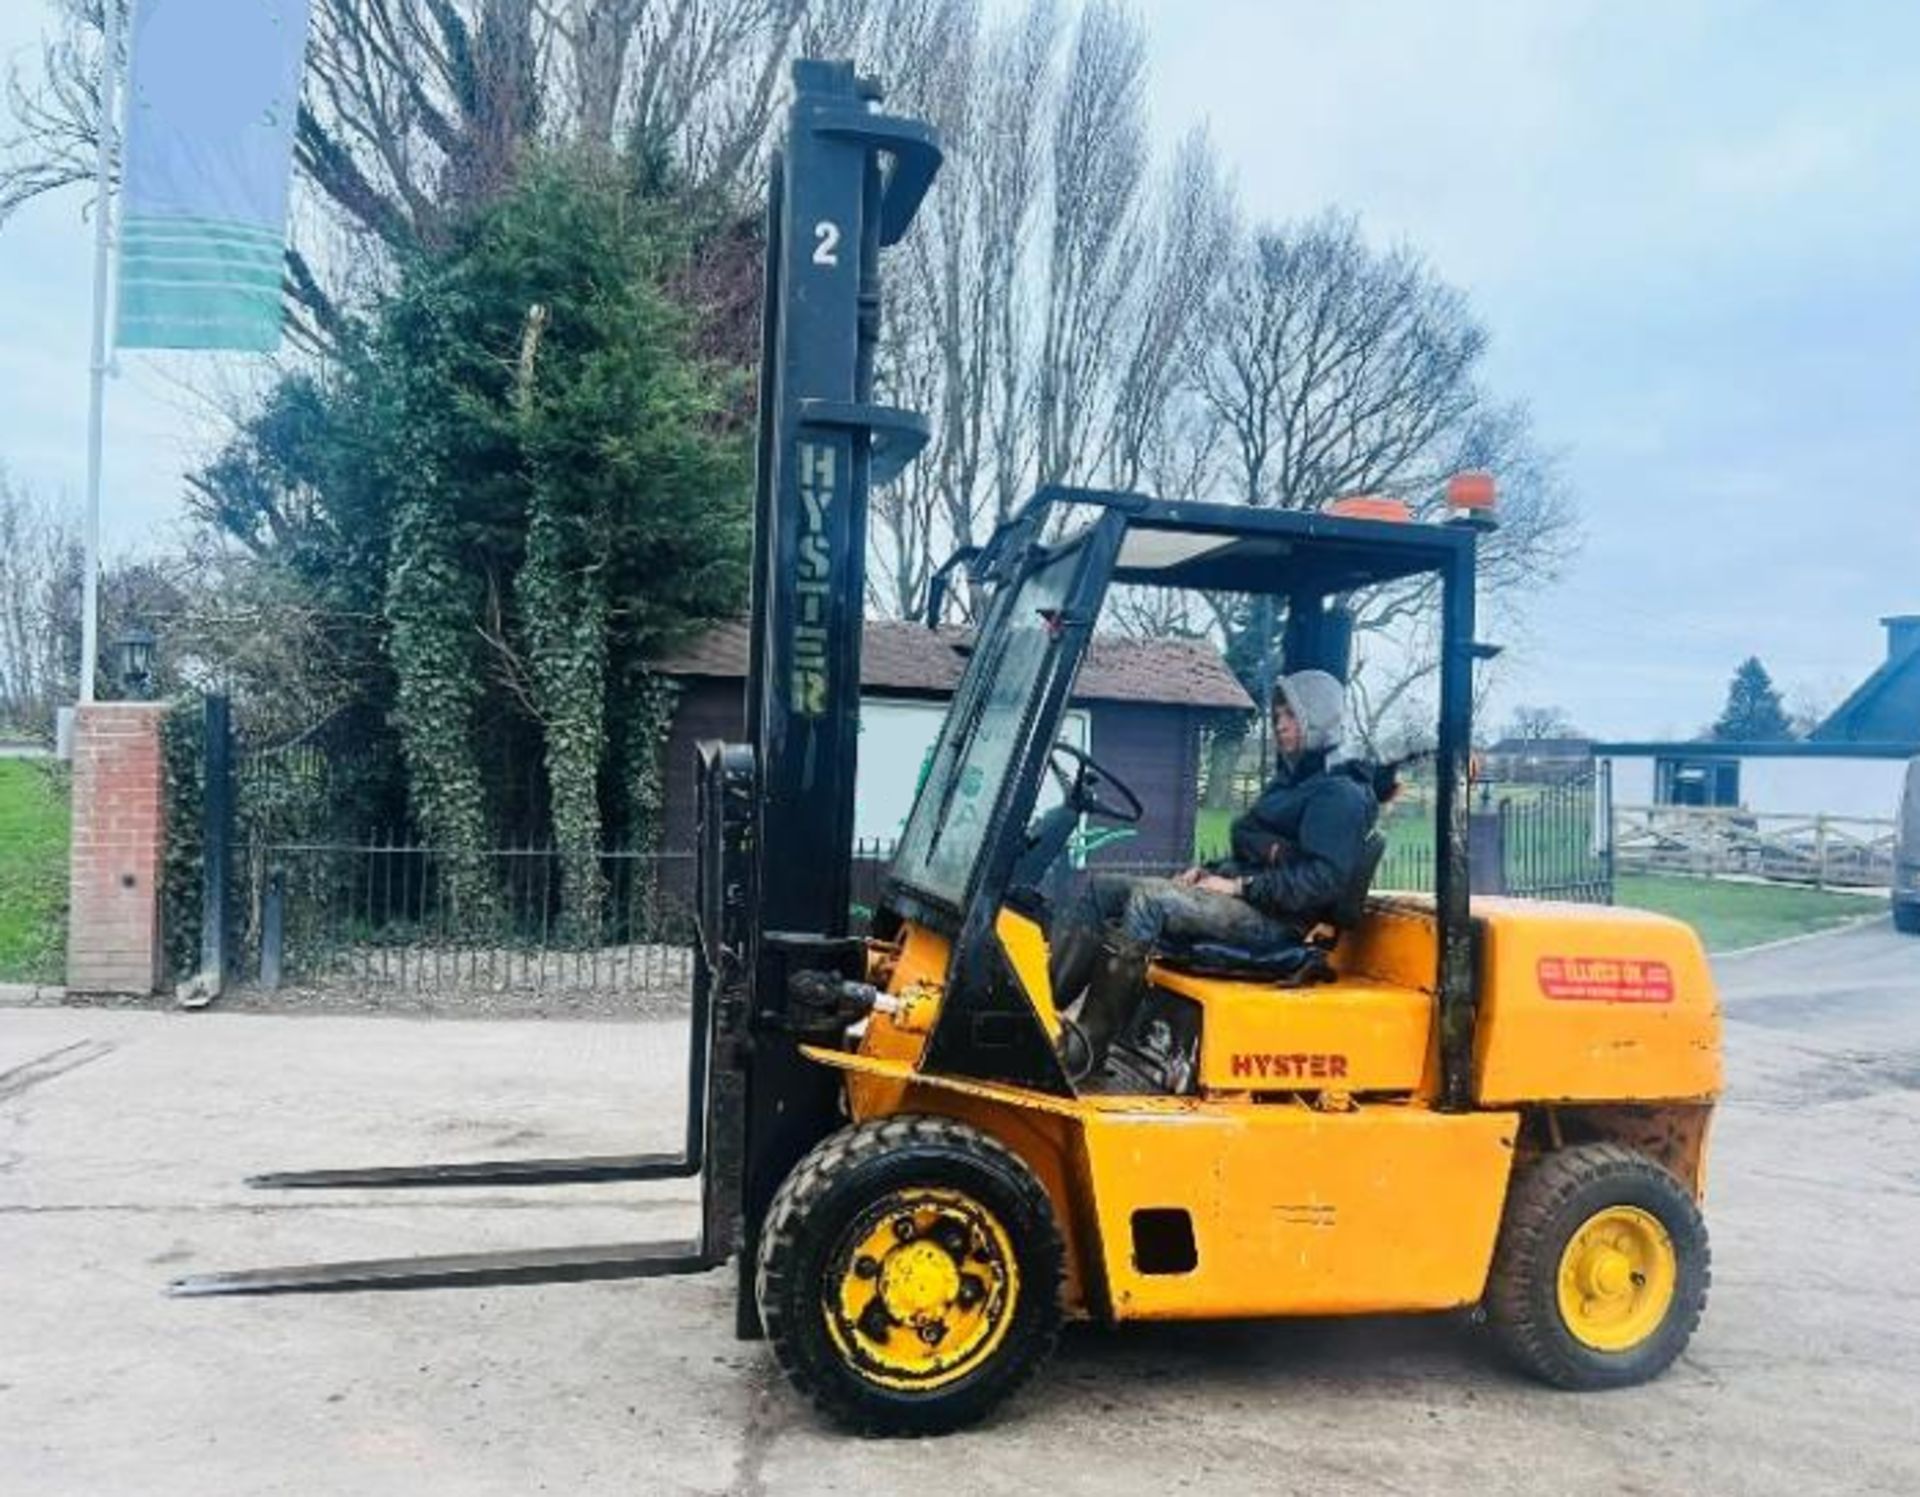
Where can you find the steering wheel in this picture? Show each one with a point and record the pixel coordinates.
(1083, 784)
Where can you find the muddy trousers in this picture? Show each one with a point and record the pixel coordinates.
(1104, 939)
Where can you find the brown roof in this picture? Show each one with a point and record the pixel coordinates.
(911, 658)
(1189, 672)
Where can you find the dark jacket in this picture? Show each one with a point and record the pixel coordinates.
(1300, 843)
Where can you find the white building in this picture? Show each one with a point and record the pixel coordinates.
(1852, 764)
(1768, 779)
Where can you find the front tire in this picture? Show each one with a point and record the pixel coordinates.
(909, 1275)
(1602, 1268)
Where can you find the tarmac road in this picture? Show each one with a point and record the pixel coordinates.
(123, 1138)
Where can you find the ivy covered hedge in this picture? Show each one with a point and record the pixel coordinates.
(183, 768)
(513, 485)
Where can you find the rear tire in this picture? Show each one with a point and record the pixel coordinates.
(1602, 1269)
(909, 1275)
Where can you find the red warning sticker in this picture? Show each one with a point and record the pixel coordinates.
(1605, 979)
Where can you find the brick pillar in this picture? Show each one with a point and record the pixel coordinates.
(119, 841)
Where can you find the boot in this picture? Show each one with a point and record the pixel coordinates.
(1075, 953)
(1113, 996)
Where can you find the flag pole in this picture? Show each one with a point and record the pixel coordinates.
(97, 370)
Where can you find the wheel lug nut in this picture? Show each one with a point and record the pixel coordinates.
(932, 1332)
(874, 1324)
(865, 1267)
(903, 1228)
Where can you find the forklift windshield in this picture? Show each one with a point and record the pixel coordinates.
(1028, 644)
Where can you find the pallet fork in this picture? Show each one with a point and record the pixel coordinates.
(848, 182)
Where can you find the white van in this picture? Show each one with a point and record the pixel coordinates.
(1906, 855)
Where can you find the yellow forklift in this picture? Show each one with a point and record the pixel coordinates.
(1482, 1102)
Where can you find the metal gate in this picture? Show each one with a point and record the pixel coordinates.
(390, 919)
(301, 889)
(1556, 840)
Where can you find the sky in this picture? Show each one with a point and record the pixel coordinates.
(162, 411)
(1692, 229)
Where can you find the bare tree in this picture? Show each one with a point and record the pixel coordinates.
(412, 108)
(245, 625)
(54, 107)
(1810, 703)
(41, 572)
(1095, 244)
(39, 565)
(1049, 286)
(934, 297)
(1533, 724)
(957, 301)
(1062, 310)
(1156, 613)
(1334, 369)
(1151, 433)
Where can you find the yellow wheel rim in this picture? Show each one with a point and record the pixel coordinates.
(1617, 1278)
(920, 1289)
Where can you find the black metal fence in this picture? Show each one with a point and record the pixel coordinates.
(1556, 840)
(310, 908)
(395, 916)
(1407, 866)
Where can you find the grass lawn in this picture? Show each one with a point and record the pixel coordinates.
(33, 871)
(1210, 831)
(1730, 915)
(1408, 825)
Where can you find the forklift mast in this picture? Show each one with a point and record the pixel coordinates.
(847, 184)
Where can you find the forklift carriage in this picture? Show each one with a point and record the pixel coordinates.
(1488, 1102)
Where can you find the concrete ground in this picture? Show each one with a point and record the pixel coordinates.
(124, 1136)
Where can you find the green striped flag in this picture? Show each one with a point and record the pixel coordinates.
(213, 96)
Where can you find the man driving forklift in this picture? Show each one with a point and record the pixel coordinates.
(1294, 853)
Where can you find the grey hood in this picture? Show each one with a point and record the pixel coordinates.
(1319, 704)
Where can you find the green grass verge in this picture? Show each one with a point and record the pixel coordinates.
(1210, 831)
(1408, 826)
(1731, 915)
(33, 871)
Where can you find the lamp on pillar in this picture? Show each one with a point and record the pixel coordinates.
(133, 652)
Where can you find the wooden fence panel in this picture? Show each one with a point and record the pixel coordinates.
(1722, 841)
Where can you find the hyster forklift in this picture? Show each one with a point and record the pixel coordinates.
(1479, 1102)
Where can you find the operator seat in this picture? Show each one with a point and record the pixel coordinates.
(1287, 964)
